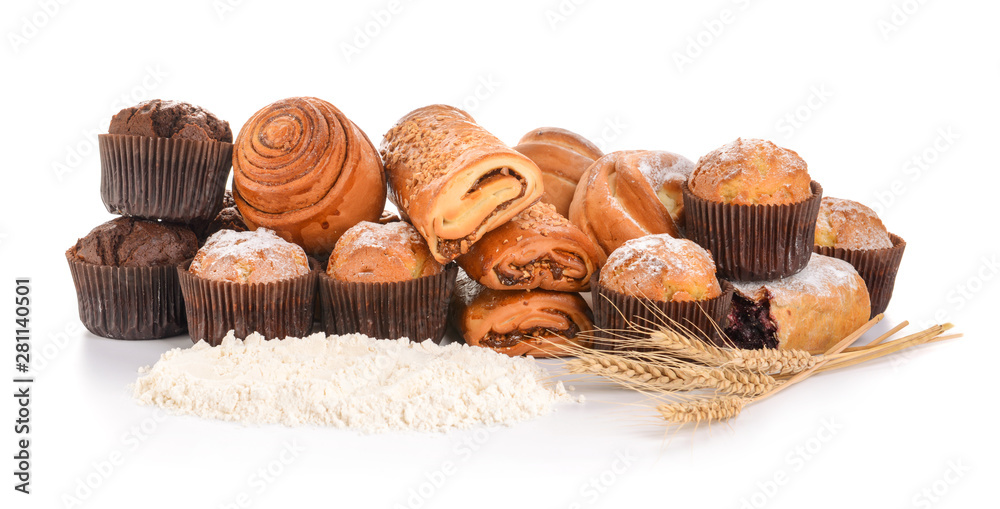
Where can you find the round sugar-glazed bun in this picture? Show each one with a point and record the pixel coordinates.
(848, 224)
(382, 253)
(661, 268)
(751, 172)
(258, 256)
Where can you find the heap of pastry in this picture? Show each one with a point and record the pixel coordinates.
(480, 203)
(752, 270)
(498, 241)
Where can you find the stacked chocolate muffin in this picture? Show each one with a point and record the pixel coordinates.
(164, 166)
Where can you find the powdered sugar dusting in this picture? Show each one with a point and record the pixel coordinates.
(853, 225)
(652, 165)
(651, 253)
(349, 381)
(235, 256)
(744, 155)
(823, 276)
(383, 236)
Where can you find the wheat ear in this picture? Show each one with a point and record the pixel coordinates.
(702, 410)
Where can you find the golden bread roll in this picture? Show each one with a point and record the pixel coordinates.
(453, 180)
(563, 156)
(304, 170)
(616, 201)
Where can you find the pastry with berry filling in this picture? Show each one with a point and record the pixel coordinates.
(811, 310)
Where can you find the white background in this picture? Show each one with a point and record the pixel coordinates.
(883, 90)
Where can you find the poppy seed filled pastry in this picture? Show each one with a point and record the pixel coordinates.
(811, 310)
(629, 194)
(453, 180)
(519, 322)
(563, 156)
(538, 248)
(302, 169)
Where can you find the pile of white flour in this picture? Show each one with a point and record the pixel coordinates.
(348, 381)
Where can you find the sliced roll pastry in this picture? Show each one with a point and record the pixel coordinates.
(519, 322)
(537, 249)
(453, 180)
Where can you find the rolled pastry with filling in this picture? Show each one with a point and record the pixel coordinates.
(519, 322)
(537, 249)
(453, 180)
(630, 194)
(563, 156)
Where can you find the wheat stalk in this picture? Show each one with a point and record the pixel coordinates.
(721, 408)
(669, 360)
(673, 344)
(676, 378)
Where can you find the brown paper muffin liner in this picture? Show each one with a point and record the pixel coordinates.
(754, 242)
(128, 302)
(614, 314)
(163, 178)
(277, 309)
(878, 267)
(415, 309)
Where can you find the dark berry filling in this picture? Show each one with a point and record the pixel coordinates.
(750, 325)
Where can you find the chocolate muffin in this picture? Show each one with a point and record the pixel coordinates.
(130, 242)
(383, 281)
(157, 118)
(165, 160)
(229, 218)
(126, 278)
